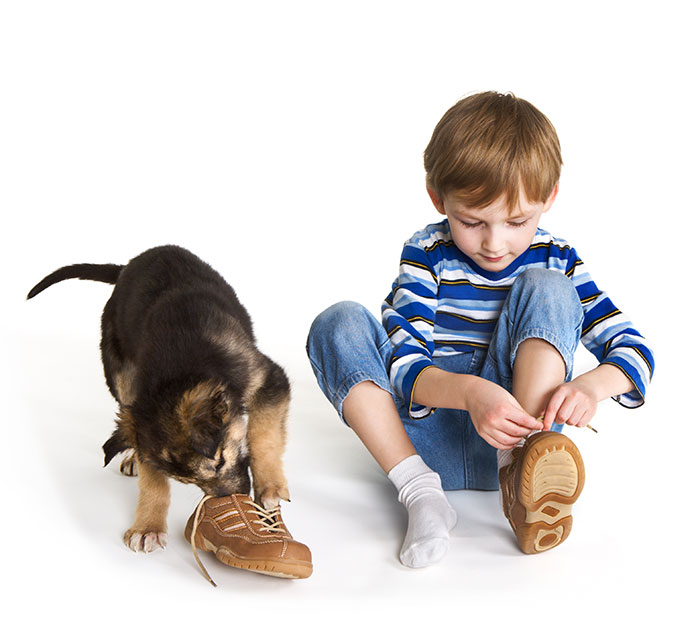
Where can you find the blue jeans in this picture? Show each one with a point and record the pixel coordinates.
(347, 345)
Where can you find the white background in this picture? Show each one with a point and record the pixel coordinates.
(282, 142)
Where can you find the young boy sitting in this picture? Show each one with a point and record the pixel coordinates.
(478, 337)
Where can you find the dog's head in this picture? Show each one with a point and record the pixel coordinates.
(201, 438)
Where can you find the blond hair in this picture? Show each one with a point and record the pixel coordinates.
(492, 144)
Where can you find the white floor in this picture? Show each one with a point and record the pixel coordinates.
(64, 515)
(282, 142)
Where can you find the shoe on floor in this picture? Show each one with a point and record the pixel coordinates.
(243, 534)
(539, 488)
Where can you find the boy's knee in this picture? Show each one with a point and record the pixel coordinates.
(337, 324)
(548, 284)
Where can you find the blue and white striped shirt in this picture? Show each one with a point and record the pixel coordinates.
(443, 303)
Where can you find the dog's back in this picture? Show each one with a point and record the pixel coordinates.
(168, 291)
(171, 316)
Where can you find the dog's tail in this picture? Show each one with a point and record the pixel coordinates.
(107, 273)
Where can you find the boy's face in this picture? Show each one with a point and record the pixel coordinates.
(493, 236)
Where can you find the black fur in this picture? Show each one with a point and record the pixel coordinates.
(108, 273)
(114, 445)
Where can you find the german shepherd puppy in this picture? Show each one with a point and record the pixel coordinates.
(197, 401)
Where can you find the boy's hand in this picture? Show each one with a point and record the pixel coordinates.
(572, 403)
(498, 417)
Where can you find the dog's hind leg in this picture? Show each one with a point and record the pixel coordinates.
(267, 433)
(120, 375)
(150, 530)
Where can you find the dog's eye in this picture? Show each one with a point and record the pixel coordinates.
(220, 464)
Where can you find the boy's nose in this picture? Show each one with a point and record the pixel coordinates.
(493, 242)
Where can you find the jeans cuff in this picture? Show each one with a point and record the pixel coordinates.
(344, 389)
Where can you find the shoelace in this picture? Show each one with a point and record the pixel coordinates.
(194, 547)
(268, 520)
(541, 419)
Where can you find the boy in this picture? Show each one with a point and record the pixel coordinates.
(478, 337)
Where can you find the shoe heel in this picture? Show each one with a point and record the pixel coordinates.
(539, 537)
(199, 542)
(551, 480)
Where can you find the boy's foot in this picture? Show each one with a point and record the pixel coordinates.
(539, 488)
(430, 515)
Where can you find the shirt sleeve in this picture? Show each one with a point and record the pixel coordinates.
(408, 315)
(610, 336)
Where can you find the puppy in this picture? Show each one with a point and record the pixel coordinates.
(198, 402)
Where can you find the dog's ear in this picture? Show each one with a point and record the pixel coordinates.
(206, 434)
(204, 408)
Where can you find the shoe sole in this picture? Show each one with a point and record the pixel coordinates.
(280, 568)
(550, 481)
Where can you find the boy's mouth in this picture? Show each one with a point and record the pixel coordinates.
(493, 259)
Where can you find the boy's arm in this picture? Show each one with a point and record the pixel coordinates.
(626, 360)
(408, 316)
(610, 335)
(495, 413)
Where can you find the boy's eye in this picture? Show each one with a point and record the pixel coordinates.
(471, 224)
(518, 224)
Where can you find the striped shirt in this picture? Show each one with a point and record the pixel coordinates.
(443, 303)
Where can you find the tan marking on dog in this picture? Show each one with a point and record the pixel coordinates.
(237, 432)
(127, 426)
(206, 470)
(236, 343)
(195, 400)
(257, 378)
(234, 339)
(124, 381)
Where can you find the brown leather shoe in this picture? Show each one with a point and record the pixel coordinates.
(539, 488)
(243, 534)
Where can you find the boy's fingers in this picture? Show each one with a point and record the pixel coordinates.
(580, 418)
(587, 417)
(566, 411)
(500, 439)
(516, 430)
(552, 409)
(495, 443)
(526, 420)
(507, 442)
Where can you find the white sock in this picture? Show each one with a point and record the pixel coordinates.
(505, 457)
(430, 516)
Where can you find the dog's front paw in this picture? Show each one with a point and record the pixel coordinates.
(128, 464)
(140, 540)
(269, 495)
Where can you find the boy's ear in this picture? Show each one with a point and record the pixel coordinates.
(550, 200)
(438, 202)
